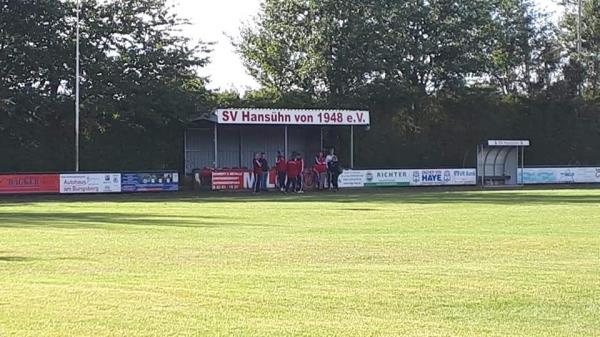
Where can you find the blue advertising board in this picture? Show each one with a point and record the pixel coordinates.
(150, 182)
(559, 175)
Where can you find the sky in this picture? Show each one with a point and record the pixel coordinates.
(217, 20)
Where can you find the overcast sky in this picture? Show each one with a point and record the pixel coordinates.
(214, 21)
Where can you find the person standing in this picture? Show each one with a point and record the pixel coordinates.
(335, 170)
(292, 174)
(265, 172)
(321, 170)
(281, 167)
(300, 181)
(257, 170)
(327, 164)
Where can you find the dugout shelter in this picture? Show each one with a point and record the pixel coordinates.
(228, 138)
(500, 162)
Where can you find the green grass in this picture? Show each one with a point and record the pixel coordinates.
(385, 263)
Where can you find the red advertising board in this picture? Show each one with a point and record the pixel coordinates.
(29, 183)
(239, 179)
(229, 180)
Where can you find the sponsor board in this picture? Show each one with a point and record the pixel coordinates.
(228, 180)
(427, 177)
(292, 117)
(559, 175)
(150, 182)
(354, 178)
(90, 183)
(29, 183)
(382, 178)
(239, 180)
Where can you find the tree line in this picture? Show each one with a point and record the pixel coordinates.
(438, 76)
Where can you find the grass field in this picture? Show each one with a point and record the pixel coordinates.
(388, 263)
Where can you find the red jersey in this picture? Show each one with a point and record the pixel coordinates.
(281, 165)
(292, 168)
(320, 165)
(257, 167)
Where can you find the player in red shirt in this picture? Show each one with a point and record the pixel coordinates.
(321, 170)
(281, 167)
(292, 171)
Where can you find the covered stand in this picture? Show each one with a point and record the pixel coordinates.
(499, 162)
(228, 138)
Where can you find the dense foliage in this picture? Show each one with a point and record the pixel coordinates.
(138, 85)
(438, 76)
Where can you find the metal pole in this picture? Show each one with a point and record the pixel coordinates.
(321, 149)
(185, 152)
(579, 9)
(479, 163)
(216, 143)
(77, 91)
(240, 147)
(522, 165)
(352, 146)
(285, 148)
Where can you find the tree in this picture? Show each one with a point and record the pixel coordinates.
(590, 46)
(33, 45)
(524, 52)
(138, 84)
(337, 48)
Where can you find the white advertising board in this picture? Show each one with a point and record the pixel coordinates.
(559, 175)
(90, 183)
(292, 117)
(425, 177)
(508, 143)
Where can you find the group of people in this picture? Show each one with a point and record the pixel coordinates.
(325, 169)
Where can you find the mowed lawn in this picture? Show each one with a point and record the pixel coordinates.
(384, 263)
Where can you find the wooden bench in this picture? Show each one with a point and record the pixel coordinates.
(496, 180)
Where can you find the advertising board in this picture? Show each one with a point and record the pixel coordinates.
(150, 182)
(29, 183)
(90, 183)
(426, 177)
(238, 180)
(559, 175)
(228, 180)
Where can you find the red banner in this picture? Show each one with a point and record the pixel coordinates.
(239, 179)
(29, 183)
(229, 180)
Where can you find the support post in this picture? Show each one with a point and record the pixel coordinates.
(579, 10)
(322, 145)
(522, 165)
(185, 152)
(285, 149)
(216, 143)
(352, 146)
(240, 146)
(77, 90)
(480, 163)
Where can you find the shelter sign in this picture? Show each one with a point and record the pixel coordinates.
(292, 117)
(508, 143)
